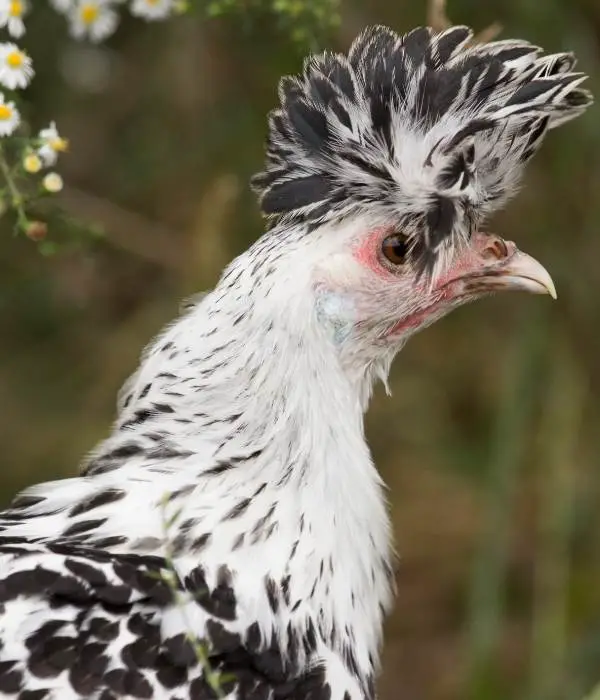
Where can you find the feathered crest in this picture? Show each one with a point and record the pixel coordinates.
(430, 128)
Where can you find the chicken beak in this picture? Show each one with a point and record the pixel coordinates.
(493, 264)
(522, 272)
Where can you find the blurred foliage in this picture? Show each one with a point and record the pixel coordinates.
(305, 20)
(490, 444)
(25, 155)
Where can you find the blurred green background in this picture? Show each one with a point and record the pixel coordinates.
(491, 441)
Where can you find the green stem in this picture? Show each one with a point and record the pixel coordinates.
(213, 678)
(15, 195)
(595, 694)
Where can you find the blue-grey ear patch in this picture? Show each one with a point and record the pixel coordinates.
(336, 313)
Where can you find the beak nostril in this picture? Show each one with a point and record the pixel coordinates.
(496, 248)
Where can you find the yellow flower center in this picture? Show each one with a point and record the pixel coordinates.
(5, 112)
(14, 59)
(58, 144)
(152, 2)
(16, 8)
(89, 13)
(32, 163)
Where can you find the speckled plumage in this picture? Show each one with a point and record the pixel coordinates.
(256, 553)
(235, 499)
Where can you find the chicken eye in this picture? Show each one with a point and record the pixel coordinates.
(395, 248)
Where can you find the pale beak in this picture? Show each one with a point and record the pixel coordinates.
(523, 272)
(494, 264)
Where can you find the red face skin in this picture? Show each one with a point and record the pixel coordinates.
(487, 264)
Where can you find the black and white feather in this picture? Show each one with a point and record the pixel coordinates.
(426, 126)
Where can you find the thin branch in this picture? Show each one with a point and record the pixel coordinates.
(436, 15)
(437, 18)
(126, 229)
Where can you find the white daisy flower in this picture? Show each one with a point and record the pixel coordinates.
(93, 19)
(9, 117)
(11, 16)
(52, 182)
(15, 67)
(62, 6)
(52, 144)
(152, 9)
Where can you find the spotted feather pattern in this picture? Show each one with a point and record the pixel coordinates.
(96, 625)
(426, 127)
